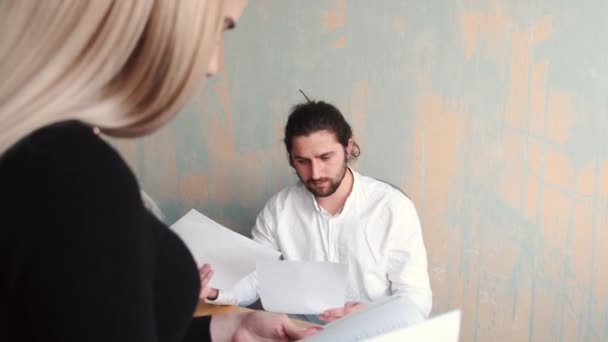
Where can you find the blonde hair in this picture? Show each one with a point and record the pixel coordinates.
(125, 66)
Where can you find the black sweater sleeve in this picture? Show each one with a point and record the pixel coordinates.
(82, 259)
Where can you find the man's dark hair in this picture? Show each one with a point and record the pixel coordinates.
(313, 116)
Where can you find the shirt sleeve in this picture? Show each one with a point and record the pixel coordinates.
(199, 330)
(243, 293)
(407, 261)
(93, 280)
(264, 230)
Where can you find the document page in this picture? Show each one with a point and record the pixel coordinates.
(391, 319)
(301, 287)
(442, 328)
(231, 255)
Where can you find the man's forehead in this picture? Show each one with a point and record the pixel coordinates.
(315, 149)
(319, 137)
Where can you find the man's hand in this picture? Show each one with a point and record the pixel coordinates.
(333, 314)
(206, 273)
(257, 326)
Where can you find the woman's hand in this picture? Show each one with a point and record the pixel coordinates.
(333, 314)
(257, 326)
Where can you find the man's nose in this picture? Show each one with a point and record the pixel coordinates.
(315, 169)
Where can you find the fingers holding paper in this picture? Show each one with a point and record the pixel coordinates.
(205, 274)
(334, 314)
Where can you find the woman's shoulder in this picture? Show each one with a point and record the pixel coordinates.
(55, 142)
(66, 139)
(67, 161)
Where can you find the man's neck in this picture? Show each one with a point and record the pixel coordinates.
(332, 204)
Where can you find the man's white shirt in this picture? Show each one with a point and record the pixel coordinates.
(377, 234)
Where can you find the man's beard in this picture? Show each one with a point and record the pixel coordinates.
(333, 184)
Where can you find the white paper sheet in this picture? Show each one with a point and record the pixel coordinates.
(390, 319)
(443, 328)
(231, 255)
(301, 287)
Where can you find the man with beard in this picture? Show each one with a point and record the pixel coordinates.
(337, 215)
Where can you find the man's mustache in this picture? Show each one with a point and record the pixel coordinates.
(320, 180)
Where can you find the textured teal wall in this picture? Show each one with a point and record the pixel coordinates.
(491, 115)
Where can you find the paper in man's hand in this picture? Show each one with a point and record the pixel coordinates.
(301, 287)
(232, 255)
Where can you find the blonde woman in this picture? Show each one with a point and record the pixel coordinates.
(80, 257)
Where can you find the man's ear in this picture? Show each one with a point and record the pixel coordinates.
(349, 147)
